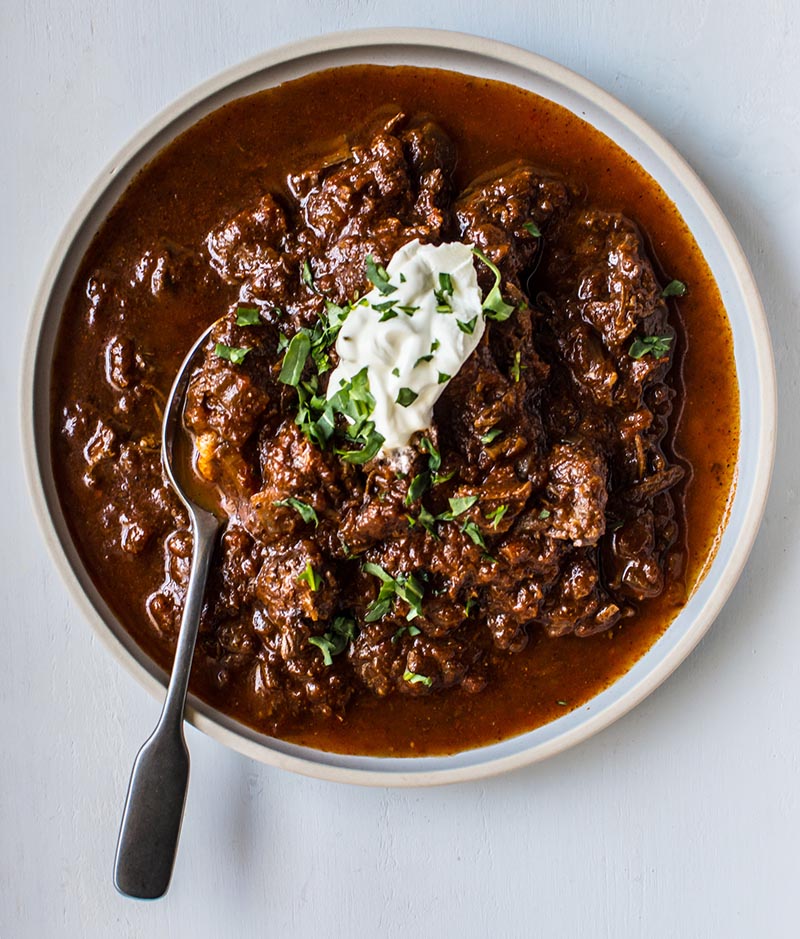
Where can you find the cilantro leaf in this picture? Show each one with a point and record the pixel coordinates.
(307, 276)
(438, 479)
(326, 645)
(443, 293)
(675, 288)
(491, 435)
(657, 346)
(419, 485)
(377, 571)
(409, 630)
(247, 316)
(406, 396)
(458, 506)
(443, 377)
(413, 678)
(233, 354)
(533, 229)
(467, 326)
(410, 589)
(373, 441)
(434, 457)
(305, 511)
(404, 586)
(295, 359)
(494, 307)
(311, 577)
(471, 529)
(378, 276)
(336, 639)
(516, 368)
(496, 515)
(428, 521)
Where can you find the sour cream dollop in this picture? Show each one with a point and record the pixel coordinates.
(412, 332)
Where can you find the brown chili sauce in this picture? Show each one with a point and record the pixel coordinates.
(589, 442)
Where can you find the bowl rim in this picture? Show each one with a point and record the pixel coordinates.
(410, 771)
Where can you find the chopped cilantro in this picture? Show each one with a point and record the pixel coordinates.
(443, 377)
(373, 441)
(303, 509)
(533, 229)
(419, 485)
(434, 457)
(423, 358)
(545, 513)
(516, 368)
(494, 307)
(247, 316)
(406, 396)
(459, 505)
(396, 372)
(657, 346)
(311, 577)
(386, 310)
(443, 294)
(413, 678)
(443, 478)
(233, 354)
(471, 529)
(336, 639)
(409, 630)
(496, 515)
(675, 288)
(378, 276)
(295, 359)
(491, 435)
(308, 275)
(336, 315)
(404, 586)
(428, 521)
(355, 402)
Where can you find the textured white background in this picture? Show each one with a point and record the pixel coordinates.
(682, 820)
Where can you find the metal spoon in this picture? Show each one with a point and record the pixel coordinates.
(151, 822)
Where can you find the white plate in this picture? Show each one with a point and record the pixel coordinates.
(484, 58)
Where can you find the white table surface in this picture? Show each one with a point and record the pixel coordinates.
(682, 820)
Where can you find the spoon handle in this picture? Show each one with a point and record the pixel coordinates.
(151, 822)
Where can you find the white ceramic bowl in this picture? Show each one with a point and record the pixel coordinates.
(481, 57)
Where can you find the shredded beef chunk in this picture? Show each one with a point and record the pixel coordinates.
(537, 505)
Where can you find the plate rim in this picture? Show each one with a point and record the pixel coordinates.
(365, 770)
